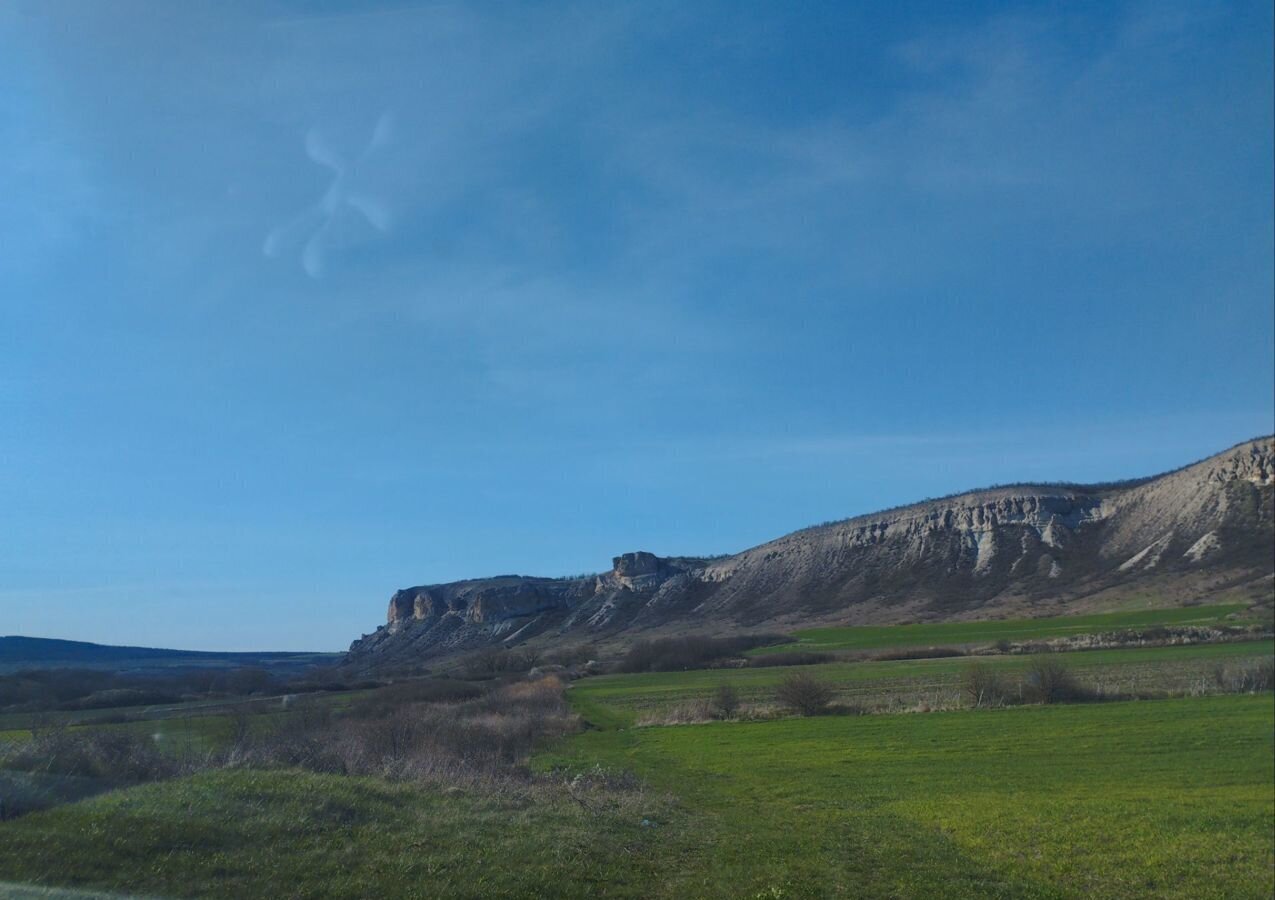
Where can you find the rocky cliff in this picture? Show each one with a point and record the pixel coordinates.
(1186, 535)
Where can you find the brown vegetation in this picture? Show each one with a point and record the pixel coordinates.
(1049, 680)
(790, 658)
(690, 652)
(984, 686)
(804, 694)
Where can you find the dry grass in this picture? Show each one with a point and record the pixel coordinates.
(483, 742)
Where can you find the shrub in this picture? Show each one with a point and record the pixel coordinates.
(919, 653)
(725, 701)
(983, 686)
(492, 661)
(486, 737)
(575, 655)
(694, 651)
(419, 690)
(113, 755)
(1259, 677)
(1049, 680)
(790, 658)
(805, 694)
(692, 712)
(1246, 679)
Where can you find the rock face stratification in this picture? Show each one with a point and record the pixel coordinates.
(1200, 531)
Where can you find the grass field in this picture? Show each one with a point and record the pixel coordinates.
(951, 634)
(195, 726)
(620, 699)
(241, 834)
(1165, 798)
(1162, 798)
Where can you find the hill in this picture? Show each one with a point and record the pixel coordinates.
(18, 652)
(1203, 531)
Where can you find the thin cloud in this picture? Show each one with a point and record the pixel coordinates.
(311, 229)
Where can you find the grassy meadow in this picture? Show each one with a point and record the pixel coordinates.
(950, 634)
(1119, 798)
(1164, 798)
(275, 834)
(903, 684)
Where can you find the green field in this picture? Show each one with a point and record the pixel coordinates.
(622, 699)
(881, 637)
(240, 834)
(1163, 798)
(1122, 798)
(195, 726)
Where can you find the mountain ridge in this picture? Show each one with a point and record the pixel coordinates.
(1191, 532)
(19, 652)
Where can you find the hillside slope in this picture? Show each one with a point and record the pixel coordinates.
(18, 652)
(1184, 535)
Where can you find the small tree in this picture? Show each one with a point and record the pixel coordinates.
(805, 694)
(725, 701)
(1049, 680)
(983, 685)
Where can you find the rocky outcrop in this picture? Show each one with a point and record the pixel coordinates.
(1205, 525)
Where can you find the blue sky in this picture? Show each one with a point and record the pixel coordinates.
(304, 302)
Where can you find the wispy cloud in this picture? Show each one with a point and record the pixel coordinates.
(316, 227)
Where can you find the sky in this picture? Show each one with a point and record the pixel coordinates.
(301, 303)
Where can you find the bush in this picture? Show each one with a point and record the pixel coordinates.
(983, 686)
(790, 658)
(385, 700)
(492, 661)
(725, 701)
(486, 737)
(575, 655)
(804, 694)
(1246, 679)
(692, 712)
(1049, 680)
(113, 755)
(919, 653)
(694, 651)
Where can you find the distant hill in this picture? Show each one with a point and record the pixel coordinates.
(18, 652)
(1204, 531)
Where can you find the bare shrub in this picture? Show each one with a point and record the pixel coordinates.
(804, 694)
(481, 743)
(983, 686)
(418, 690)
(790, 658)
(693, 651)
(1248, 678)
(919, 653)
(575, 655)
(492, 661)
(1049, 680)
(111, 754)
(692, 712)
(726, 701)
(486, 737)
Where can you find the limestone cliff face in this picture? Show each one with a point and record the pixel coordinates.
(1204, 526)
